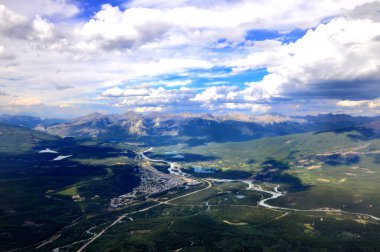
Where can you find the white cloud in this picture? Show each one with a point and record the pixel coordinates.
(155, 3)
(158, 24)
(3, 53)
(366, 11)
(66, 105)
(361, 104)
(254, 108)
(12, 23)
(210, 94)
(112, 28)
(113, 92)
(374, 104)
(43, 29)
(29, 101)
(57, 8)
(138, 92)
(215, 93)
(254, 92)
(118, 92)
(270, 14)
(148, 109)
(133, 97)
(348, 103)
(16, 26)
(118, 49)
(341, 51)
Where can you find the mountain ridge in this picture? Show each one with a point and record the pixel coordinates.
(215, 127)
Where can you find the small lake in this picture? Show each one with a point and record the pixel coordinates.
(203, 172)
(171, 153)
(200, 169)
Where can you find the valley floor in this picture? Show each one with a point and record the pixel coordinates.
(309, 192)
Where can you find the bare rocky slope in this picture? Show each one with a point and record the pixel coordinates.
(213, 127)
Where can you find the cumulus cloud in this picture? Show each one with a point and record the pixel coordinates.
(212, 98)
(137, 92)
(188, 54)
(113, 92)
(361, 104)
(4, 55)
(148, 109)
(163, 24)
(43, 29)
(149, 98)
(216, 93)
(254, 108)
(56, 8)
(210, 94)
(17, 26)
(335, 60)
(270, 14)
(233, 96)
(366, 11)
(12, 23)
(112, 28)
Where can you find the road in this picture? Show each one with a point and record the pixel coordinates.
(276, 194)
(209, 185)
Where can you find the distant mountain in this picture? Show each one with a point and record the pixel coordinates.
(29, 121)
(17, 139)
(374, 125)
(231, 127)
(337, 121)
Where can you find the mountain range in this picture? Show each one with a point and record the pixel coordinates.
(230, 127)
(29, 121)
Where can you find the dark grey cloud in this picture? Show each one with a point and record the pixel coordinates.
(151, 31)
(2, 93)
(345, 90)
(367, 11)
(7, 56)
(63, 87)
(13, 25)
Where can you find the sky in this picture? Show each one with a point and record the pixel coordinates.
(65, 58)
